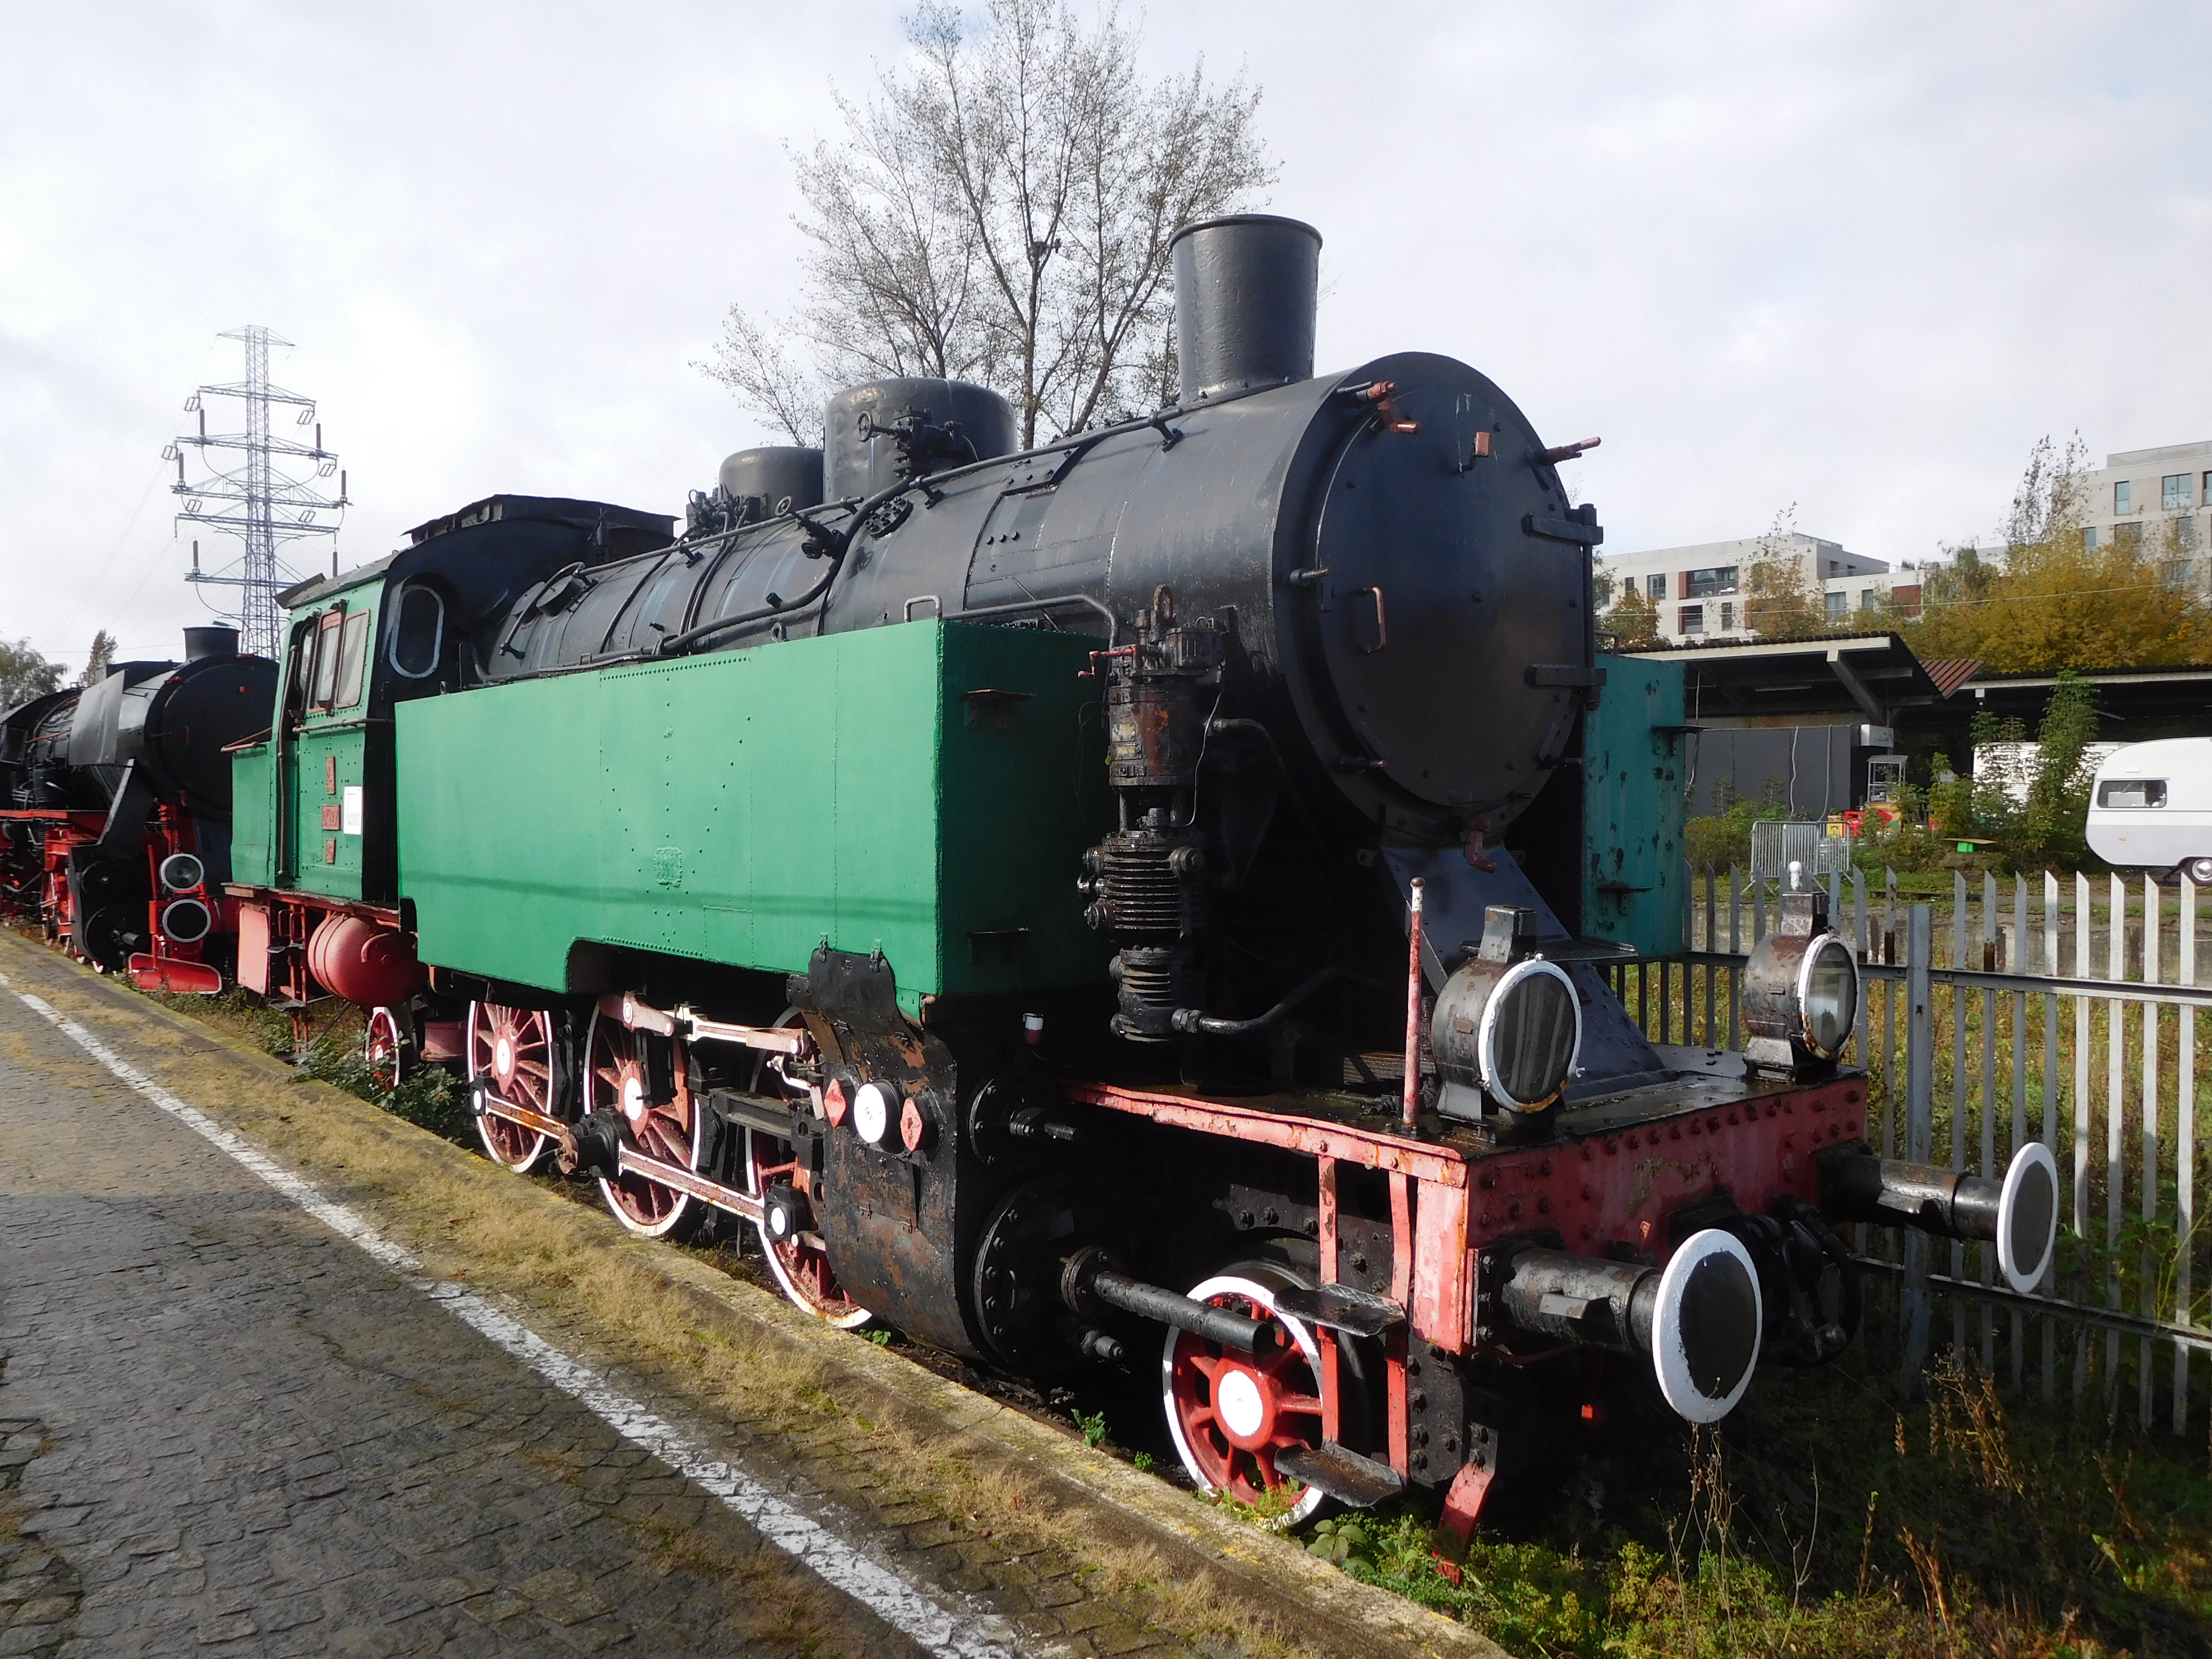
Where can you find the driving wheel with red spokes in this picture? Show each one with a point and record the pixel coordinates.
(384, 1048)
(512, 1049)
(800, 1261)
(632, 1074)
(797, 1256)
(1230, 1414)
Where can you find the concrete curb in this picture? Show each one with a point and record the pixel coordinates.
(1251, 1566)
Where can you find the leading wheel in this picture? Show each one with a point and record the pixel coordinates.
(632, 1074)
(512, 1049)
(384, 1048)
(1230, 1414)
(2198, 871)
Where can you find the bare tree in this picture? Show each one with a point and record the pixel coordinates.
(999, 210)
(96, 664)
(2050, 500)
(1781, 598)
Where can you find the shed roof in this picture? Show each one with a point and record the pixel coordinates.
(1845, 677)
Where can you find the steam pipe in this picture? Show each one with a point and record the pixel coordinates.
(1190, 1020)
(838, 544)
(677, 642)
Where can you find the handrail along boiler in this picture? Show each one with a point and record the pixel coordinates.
(1139, 896)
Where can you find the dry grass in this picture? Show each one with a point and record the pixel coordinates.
(735, 1353)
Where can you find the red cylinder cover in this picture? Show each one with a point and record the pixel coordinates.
(367, 965)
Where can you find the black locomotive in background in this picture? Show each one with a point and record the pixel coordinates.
(115, 810)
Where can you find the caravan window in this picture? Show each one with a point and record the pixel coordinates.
(2131, 791)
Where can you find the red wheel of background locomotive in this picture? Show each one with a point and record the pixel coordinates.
(1230, 1414)
(619, 1064)
(514, 1049)
(383, 1048)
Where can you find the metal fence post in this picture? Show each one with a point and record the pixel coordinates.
(1988, 1103)
(1961, 919)
(1919, 1130)
(1863, 1045)
(2152, 925)
(2116, 1170)
(2020, 1087)
(1712, 945)
(2084, 945)
(1735, 948)
(2054, 911)
(2185, 1150)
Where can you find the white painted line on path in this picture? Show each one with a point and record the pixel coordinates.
(883, 1592)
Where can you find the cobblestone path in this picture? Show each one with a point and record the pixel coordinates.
(223, 1428)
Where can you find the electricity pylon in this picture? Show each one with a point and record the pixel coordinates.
(263, 507)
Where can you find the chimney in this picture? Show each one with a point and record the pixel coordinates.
(1245, 292)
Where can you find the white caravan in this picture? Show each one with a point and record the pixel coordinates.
(2152, 807)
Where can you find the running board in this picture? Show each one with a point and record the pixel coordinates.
(1340, 1308)
(678, 1179)
(1341, 1473)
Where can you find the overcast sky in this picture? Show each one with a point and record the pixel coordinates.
(1854, 257)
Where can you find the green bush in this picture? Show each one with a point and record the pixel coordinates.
(2038, 817)
(1721, 840)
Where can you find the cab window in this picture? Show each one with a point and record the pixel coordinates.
(353, 652)
(2131, 791)
(326, 658)
(302, 671)
(418, 633)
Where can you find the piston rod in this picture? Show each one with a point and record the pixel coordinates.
(1086, 1281)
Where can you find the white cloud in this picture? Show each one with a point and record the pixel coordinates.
(1855, 257)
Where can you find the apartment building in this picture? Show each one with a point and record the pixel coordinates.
(2160, 497)
(1698, 589)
